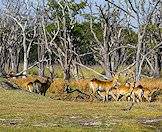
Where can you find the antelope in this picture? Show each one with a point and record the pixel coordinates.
(33, 86)
(30, 87)
(39, 87)
(102, 94)
(121, 91)
(142, 92)
(42, 87)
(103, 86)
(148, 94)
(137, 92)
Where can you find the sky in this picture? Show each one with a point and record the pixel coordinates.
(99, 2)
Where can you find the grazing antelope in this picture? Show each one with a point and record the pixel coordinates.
(103, 86)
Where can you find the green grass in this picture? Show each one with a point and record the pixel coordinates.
(83, 72)
(23, 111)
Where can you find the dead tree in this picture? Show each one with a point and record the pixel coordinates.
(61, 38)
(107, 47)
(25, 22)
(143, 17)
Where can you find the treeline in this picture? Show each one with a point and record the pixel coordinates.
(73, 34)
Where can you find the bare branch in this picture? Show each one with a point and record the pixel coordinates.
(121, 9)
(91, 70)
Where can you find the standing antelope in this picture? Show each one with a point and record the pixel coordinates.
(39, 87)
(30, 87)
(34, 86)
(103, 86)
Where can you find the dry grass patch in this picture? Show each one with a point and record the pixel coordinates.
(57, 86)
(152, 83)
(22, 82)
(82, 84)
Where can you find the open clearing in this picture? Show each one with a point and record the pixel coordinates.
(24, 111)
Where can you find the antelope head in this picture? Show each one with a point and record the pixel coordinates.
(116, 80)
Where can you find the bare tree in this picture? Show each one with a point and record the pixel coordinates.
(107, 47)
(143, 16)
(62, 39)
(21, 15)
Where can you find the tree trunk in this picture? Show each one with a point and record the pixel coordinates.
(106, 63)
(13, 58)
(67, 73)
(25, 65)
(41, 69)
(137, 72)
(75, 70)
(138, 58)
(41, 66)
(51, 68)
(157, 64)
(17, 60)
(106, 68)
(2, 60)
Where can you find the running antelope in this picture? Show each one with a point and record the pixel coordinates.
(102, 95)
(137, 92)
(121, 91)
(143, 92)
(103, 86)
(140, 92)
(149, 94)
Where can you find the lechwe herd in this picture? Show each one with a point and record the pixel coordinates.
(107, 90)
(129, 91)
